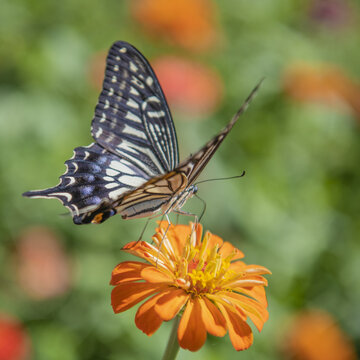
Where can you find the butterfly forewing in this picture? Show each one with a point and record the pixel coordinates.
(132, 118)
(194, 164)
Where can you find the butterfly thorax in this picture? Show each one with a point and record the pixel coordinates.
(181, 199)
(160, 195)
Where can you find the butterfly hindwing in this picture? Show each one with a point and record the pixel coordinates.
(93, 181)
(132, 118)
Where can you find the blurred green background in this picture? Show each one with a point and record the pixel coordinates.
(296, 211)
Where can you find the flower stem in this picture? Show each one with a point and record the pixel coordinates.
(172, 346)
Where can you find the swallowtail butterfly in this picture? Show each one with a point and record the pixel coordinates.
(132, 168)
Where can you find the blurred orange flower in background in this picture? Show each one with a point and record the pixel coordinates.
(187, 23)
(322, 83)
(202, 278)
(14, 342)
(316, 336)
(190, 87)
(42, 266)
(96, 69)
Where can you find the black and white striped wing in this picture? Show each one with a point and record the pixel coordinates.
(132, 118)
(94, 179)
(194, 164)
(135, 141)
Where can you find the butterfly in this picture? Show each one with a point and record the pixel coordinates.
(132, 168)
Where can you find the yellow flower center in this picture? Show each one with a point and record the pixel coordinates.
(203, 270)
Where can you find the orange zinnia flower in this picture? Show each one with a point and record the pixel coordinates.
(190, 87)
(202, 279)
(315, 335)
(189, 23)
(322, 83)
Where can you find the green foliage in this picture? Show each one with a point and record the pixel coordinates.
(296, 211)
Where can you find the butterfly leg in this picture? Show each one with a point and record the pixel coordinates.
(163, 237)
(143, 230)
(147, 222)
(185, 213)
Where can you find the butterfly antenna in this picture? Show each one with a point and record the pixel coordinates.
(225, 178)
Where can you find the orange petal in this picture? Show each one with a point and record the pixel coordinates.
(238, 266)
(146, 318)
(246, 282)
(154, 275)
(179, 234)
(214, 240)
(228, 249)
(124, 296)
(214, 321)
(240, 332)
(127, 271)
(256, 312)
(147, 252)
(191, 331)
(256, 270)
(170, 303)
(257, 293)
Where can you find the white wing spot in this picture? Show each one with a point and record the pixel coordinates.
(132, 103)
(111, 92)
(133, 91)
(135, 132)
(137, 82)
(113, 79)
(87, 154)
(149, 81)
(133, 67)
(107, 104)
(103, 117)
(72, 180)
(116, 193)
(98, 133)
(117, 165)
(118, 58)
(75, 166)
(111, 185)
(131, 180)
(122, 85)
(153, 99)
(116, 68)
(156, 114)
(110, 138)
(111, 172)
(115, 108)
(65, 194)
(123, 50)
(130, 116)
